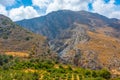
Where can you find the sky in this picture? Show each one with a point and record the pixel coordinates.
(26, 9)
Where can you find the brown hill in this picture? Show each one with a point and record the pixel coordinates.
(17, 41)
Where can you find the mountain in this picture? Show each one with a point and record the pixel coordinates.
(85, 39)
(15, 40)
(53, 23)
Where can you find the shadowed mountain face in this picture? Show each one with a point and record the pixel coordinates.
(52, 24)
(81, 38)
(15, 39)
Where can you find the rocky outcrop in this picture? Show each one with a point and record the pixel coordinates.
(68, 39)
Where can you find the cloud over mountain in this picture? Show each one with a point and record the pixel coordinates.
(11, 8)
(3, 10)
(53, 5)
(108, 9)
(23, 13)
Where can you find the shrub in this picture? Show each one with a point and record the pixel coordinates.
(105, 74)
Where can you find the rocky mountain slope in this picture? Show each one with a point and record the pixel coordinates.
(53, 23)
(81, 38)
(14, 39)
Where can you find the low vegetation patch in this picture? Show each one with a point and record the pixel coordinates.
(16, 68)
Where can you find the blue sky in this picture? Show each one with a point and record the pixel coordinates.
(26, 9)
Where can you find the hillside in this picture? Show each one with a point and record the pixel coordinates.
(16, 41)
(85, 39)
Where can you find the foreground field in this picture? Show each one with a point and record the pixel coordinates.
(44, 75)
(16, 68)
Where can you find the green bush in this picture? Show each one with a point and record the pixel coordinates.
(105, 74)
(18, 75)
(5, 59)
(5, 37)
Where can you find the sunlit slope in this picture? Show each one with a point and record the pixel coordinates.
(107, 48)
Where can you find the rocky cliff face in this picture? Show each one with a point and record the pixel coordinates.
(68, 38)
(81, 38)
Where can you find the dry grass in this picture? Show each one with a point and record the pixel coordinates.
(105, 46)
(116, 72)
(18, 54)
(30, 70)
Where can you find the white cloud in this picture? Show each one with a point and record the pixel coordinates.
(100, 6)
(7, 2)
(108, 9)
(3, 10)
(41, 3)
(22, 13)
(115, 14)
(54, 5)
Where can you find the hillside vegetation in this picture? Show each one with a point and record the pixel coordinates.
(35, 69)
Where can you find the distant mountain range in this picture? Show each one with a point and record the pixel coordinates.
(81, 38)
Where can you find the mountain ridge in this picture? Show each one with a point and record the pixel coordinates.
(44, 20)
